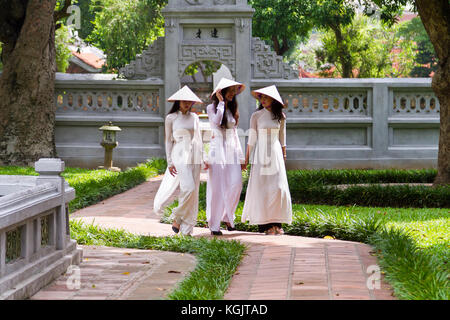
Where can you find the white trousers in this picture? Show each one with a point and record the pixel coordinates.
(186, 213)
(223, 191)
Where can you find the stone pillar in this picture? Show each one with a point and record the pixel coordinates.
(49, 172)
(243, 34)
(171, 47)
(380, 125)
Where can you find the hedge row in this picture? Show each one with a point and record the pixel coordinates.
(320, 187)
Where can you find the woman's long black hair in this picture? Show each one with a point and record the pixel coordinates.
(277, 110)
(175, 107)
(231, 105)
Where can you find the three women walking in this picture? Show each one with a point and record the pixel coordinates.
(267, 202)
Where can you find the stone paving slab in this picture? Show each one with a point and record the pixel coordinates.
(120, 274)
(273, 268)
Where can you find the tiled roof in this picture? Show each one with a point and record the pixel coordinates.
(90, 59)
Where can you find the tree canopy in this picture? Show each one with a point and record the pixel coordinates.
(124, 28)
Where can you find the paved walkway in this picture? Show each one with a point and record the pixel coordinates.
(274, 267)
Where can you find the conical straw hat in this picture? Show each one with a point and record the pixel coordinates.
(270, 91)
(184, 94)
(225, 83)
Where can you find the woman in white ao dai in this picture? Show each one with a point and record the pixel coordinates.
(268, 200)
(184, 151)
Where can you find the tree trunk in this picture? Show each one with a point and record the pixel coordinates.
(435, 16)
(27, 107)
(280, 49)
(343, 54)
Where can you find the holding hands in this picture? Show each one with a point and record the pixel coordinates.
(173, 171)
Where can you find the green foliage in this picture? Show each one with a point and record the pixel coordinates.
(282, 23)
(206, 67)
(425, 58)
(93, 186)
(332, 14)
(320, 188)
(217, 259)
(414, 273)
(88, 13)
(124, 28)
(63, 52)
(369, 48)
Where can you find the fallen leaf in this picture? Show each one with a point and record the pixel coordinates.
(127, 253)
(172, 271)
(160, 289)
(125, 273)
(329, 237)
(93, 286)
(299, 283)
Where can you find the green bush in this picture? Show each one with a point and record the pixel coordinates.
(320, 187)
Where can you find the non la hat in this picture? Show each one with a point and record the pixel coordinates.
(270, 91)
(225, 83)
(184, 94)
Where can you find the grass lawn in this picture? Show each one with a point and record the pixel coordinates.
(412, 244)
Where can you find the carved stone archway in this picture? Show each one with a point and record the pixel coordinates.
(218, 30)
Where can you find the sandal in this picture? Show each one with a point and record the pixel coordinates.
(279, 231)
(229, 227)
(175, 229)
(270, 232)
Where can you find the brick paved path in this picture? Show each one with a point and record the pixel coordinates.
(274, 267)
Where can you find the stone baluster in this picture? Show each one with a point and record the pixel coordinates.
(50, 172)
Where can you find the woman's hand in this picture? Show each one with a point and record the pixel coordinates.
(173, 171)
(244, 166)
(219, 96)
(206, 165)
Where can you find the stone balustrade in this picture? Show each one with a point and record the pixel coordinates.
(35, 244)
(332, 123)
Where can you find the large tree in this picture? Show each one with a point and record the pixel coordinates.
(282, 23)
(335, 15)
(124, 28)
(27, 107)
(435, 16)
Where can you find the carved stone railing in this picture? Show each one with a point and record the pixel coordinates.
(366, 123)
(35, 244)
(86, 102)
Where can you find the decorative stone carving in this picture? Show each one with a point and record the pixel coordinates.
(409, 103)
(215, 2)
(189, 54)
(107, 101)
(194, 2)
(268, 65)
(242, 24)
(171, 24)
(148, 64)
(304, 102)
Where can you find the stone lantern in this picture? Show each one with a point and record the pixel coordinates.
(109, 142)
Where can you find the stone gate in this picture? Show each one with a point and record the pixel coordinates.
(212, 30)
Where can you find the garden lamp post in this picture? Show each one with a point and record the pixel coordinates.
(109, 142)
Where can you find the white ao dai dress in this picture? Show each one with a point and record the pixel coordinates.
(224, 184)
(268, 199)
(184, 150)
